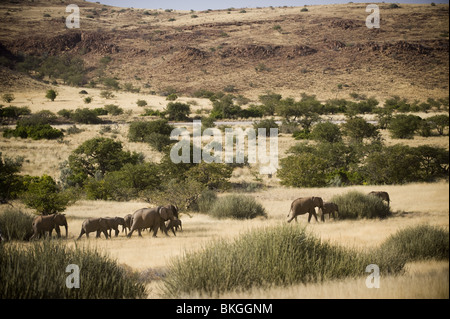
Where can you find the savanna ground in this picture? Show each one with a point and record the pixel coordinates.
(412, 204)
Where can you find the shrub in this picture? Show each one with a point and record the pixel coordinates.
(354, 205)
(237, 207)
(303, 170)
(141, 103)
(266, 124)
(418, 243)
(281, 255)
(439, 122)
(45, 196)
(35, 132)
(326, 132)
(140, 131)
(51, 95)
(177, 111)
(16, 225)
(25, 273)
(357, 129)
(404, 126)
(395, 164)
(13, 111)
(172, 97)
(113, 109)
(85, 116)
(205, 201)
(8, 97)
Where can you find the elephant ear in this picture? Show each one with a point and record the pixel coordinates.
(164, 213)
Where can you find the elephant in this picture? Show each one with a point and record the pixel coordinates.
(113, 223)
(305, 205)
(128, 219)
(99, 225)
(153, 218)
(43, 224)
(383, 195)
(174, 225)
(330, 209)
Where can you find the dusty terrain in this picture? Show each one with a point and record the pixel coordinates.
(310, 52)
(294, 51)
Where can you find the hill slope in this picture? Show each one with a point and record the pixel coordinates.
(327, 51)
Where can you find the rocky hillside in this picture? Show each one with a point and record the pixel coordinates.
(324, 50)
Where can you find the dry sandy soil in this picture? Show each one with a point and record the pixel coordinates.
(313, 52)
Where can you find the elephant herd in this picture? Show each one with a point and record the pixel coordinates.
(166, 219)
(307, 205)
(162, 217)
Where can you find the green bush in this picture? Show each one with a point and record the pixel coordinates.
(238, 207)
(35, 132)
(404, 126)
(178, 111)
(15, 224)
(354, 205)
(303, 170)
(418, 243)
(85, 116)
(140, 131)
(205, 201)
(266, 124)
(38, 271)
(281, 255)
(326, 132)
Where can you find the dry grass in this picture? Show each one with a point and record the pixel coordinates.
(422, 280)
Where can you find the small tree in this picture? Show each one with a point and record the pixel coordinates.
(326, 132)
(404, 126)
(44, 195)
(8, 97)
(51, 95)
(439, 122)
(178, 111)
(357, 129)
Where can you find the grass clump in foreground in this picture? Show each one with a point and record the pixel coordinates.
(238, 207)
(281, 255)
(419, 243)
(16, 225)
(38, 271)
(354, 205)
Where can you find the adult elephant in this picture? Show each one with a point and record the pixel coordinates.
(173, 225)
(153, 218)
(114, 223)
(99, 225)
(128, 219)
(305, 205)
(383, 195)
(329, 208)
(43, 224)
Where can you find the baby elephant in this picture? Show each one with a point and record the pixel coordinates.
(94, 225)
(174, 225)
(330, 209)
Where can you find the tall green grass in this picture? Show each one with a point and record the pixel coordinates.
(419, 243)
(38, 271)
(354, 205)
(16, 225)
(237, 206)
(281, 255)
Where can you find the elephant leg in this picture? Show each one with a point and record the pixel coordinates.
(106, 233)
(81, 234)
(139, 232)
(98, 234)
(117, 232)
(58, 232)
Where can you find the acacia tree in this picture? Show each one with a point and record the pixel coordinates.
(45, 196)
(97, 156)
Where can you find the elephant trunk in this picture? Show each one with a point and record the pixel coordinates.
(66, 227)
